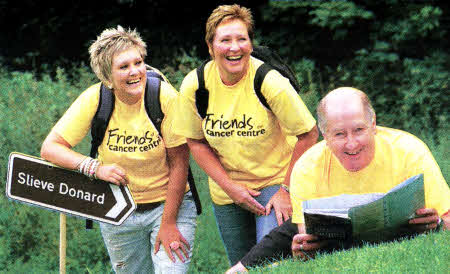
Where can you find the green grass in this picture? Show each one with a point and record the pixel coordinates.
(423, 254)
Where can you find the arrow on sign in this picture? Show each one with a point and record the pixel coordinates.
(120, 205)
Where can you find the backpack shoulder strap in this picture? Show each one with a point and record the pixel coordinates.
(202, 94)
(260, 74)
(101, 118)
(271, 61)
(152, 98)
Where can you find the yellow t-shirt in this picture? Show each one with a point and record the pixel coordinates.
(131, 140)
(398, 156)
(252, 142)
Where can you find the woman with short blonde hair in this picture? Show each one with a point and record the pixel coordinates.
(133, 153)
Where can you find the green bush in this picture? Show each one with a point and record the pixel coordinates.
(393, 51)
(406, 94)
(185, 62)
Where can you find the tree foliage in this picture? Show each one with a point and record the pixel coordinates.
(393, 50)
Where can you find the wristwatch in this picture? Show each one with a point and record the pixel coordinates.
(439, 225)
(285, 187)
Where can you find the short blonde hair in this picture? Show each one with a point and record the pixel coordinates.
(321, 107)
(108, 43)
(228, 12)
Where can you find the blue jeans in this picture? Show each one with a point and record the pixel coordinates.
(240, 229)
(131, 246)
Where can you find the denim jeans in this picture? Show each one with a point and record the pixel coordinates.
(131, 245)
(240, 229)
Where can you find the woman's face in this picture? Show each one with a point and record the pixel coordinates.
(128, 75)
(231, 49)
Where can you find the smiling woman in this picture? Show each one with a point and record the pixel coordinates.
(231, 50)
(152, 163)
(128, 75)
(239, 143)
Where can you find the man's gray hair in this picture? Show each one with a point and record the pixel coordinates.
(321, 108)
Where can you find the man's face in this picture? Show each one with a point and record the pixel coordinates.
(350, 134)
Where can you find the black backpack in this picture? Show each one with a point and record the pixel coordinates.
(152, 106)
(271, 61)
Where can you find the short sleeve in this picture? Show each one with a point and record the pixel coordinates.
(437, 192)
(187, 121)
(169, 98)
(76, 121)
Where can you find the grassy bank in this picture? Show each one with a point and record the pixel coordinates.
(423, 254)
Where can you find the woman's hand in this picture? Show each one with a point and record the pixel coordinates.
(243, 197)
(112, 173)
(209, 162)
(172, 240)
(281, 203)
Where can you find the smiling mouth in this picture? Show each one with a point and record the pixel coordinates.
(133, 82)
(353, 154)
(234, 58)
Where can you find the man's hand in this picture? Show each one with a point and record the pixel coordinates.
(306, 246)
(426, 219)
(281, 203)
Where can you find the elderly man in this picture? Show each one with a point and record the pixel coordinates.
(355, 157)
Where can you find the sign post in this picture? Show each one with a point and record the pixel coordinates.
(35, 181)
(62, 243)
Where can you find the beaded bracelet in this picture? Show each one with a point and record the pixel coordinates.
(83, 164)
(93, 169)
(89, 167)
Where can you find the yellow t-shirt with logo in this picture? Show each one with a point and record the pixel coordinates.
(398, 156)
(131, 140)
(252, 142)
